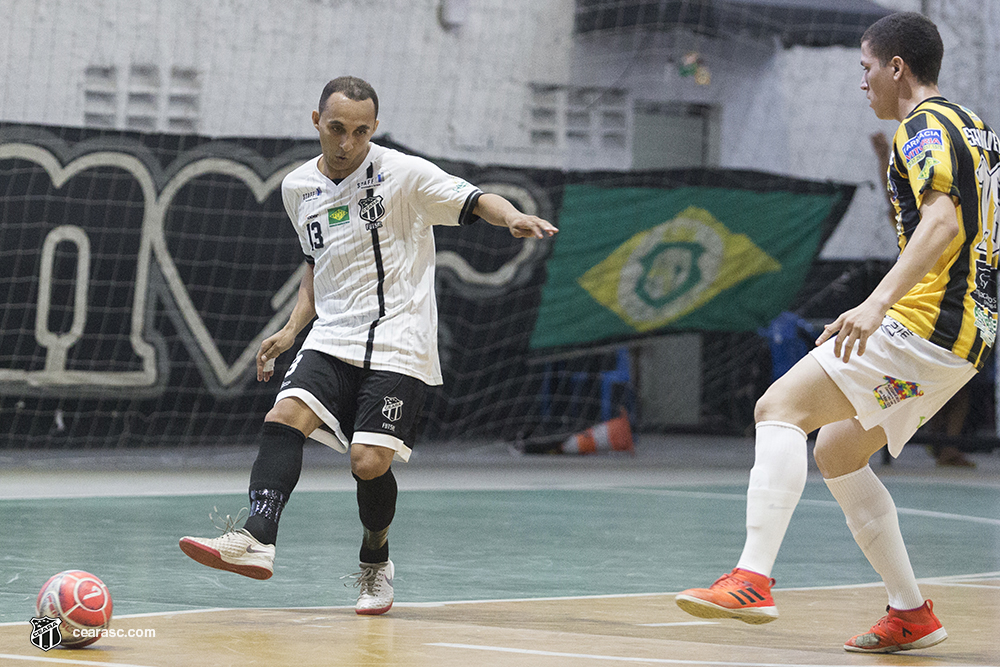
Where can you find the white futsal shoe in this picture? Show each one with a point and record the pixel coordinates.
(236, 551)
(375, 584)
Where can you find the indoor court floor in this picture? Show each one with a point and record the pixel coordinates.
(501, 559)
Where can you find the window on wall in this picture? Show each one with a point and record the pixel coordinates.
(182, 101)
(100, 97)
(573, 117)
(674, 135)
(142, 97)
(142, 100)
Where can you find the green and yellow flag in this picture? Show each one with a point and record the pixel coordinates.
(630, 261)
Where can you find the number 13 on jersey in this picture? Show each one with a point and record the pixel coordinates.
(315, 234)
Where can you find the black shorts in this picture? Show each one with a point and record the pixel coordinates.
(356, 405)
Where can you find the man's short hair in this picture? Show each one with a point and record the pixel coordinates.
(352, 88)
(911, 36)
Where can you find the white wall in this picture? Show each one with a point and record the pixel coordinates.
(795, 111)
(830, 121)
(451, 92)
(829, 129)
(800, 111)
(745, 84)
(463, 92)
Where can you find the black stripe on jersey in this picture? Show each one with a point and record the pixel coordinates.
(963, 174)
(976, 356)
(467, 217)
(909, 216)
(970, 216)
(380, 268)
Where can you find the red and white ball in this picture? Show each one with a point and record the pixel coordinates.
(83, 603)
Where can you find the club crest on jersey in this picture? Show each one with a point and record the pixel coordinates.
(393, 408)
(371, 209)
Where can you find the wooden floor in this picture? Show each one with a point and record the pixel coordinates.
(590, 530)
(643, 629)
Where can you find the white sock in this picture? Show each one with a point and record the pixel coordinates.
(776, 482)
(871, 516)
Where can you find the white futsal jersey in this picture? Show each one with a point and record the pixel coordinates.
(370, 240)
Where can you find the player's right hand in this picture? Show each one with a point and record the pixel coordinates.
(852, 327)
(524, 226)
(270, 348)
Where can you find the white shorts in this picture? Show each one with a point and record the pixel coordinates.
(899, 382)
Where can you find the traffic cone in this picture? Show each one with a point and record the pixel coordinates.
(613, 435)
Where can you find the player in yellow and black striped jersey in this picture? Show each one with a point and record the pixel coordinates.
(944, 147)
(919, 337)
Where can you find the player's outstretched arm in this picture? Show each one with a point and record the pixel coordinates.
(937, 228)
(497, 211)
(302, 314)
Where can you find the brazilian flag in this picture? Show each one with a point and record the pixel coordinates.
(698, 250)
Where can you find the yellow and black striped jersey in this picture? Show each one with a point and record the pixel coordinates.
(945, 147)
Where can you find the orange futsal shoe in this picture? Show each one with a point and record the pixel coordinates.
(741, 594)
(900, 631)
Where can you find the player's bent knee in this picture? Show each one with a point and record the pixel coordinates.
(824, 456)
(282, 411)
(845, 446)
(833, 462)
(369, 462)
(786, 401)
(770, 407)
(368, 469)
(293, 412)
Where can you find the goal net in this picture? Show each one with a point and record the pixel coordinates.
(145, 251)
(142, 272)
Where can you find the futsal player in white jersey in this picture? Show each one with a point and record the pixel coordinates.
(364, 216)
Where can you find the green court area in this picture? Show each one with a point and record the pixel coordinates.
(476, 544)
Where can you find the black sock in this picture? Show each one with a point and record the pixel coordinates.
(377, 507)
(273, 477)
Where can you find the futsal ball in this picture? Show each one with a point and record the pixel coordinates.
(83, 603)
